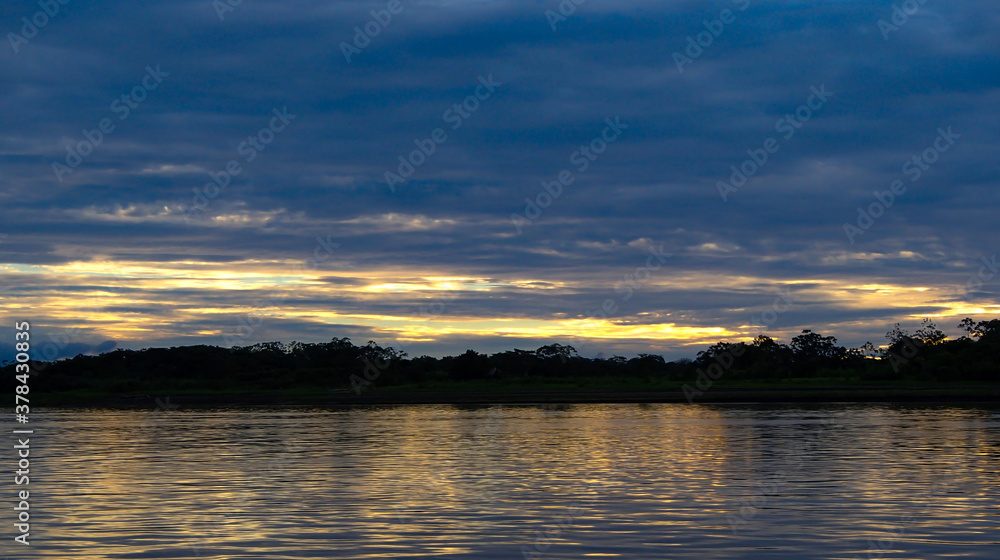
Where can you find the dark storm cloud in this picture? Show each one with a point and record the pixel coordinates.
(323, 175)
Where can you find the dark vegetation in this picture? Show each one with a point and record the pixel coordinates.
(923, 356)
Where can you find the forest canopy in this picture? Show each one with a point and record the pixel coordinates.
(926, 355)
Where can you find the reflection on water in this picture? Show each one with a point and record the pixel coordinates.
(618, 481)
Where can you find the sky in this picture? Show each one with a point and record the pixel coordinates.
(625, 176)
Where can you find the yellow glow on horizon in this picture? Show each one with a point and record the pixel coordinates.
(135, 300)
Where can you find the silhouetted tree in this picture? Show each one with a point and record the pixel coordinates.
(556, 351)
(928, 334)
(813, 351)
(924, 355)
(470, 365)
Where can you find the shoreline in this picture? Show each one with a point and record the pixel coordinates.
(748, 395)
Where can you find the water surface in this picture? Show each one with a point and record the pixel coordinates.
(582, 481)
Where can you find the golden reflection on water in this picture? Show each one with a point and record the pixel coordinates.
(620, 481)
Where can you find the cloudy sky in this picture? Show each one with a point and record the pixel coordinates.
(387, 171)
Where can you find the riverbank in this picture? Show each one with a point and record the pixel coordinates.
(459, 396)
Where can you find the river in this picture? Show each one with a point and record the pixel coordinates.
(574, 481)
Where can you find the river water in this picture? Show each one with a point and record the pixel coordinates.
(579, 481)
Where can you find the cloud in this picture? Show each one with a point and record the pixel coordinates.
(113, 235)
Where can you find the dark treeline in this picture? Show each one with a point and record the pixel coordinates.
(925, 355)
